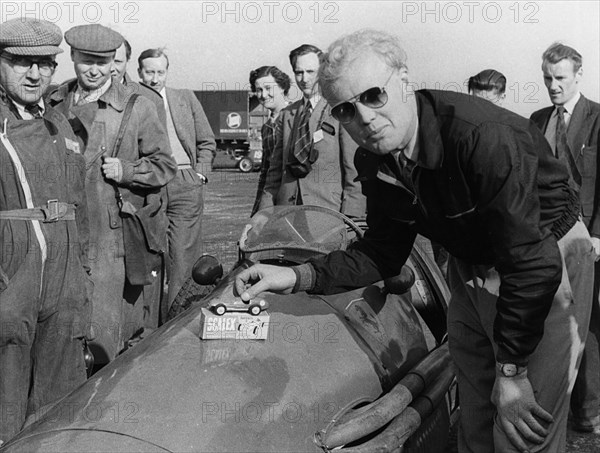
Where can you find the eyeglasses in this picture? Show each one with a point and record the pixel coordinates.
(373, 98)
(22, 64)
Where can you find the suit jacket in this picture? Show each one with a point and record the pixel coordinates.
(583, 135)
(192, 127)
(331, 182)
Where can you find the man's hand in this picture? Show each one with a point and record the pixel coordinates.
(203, 179)
(596, 245)
(112, 169)
(518, 409)
(262, 277)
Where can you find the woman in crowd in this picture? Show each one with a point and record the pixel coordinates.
(271, 86)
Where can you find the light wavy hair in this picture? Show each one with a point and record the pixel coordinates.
(343, 51)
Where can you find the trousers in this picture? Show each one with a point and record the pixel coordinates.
(41, 336)
(585, 400)
(184, 209)
(552, 367)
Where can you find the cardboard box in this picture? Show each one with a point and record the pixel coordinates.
(234, 326)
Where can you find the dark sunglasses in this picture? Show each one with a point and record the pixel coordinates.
(373, 98)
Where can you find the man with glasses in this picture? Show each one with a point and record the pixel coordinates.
(44, 300)
(482, 182)
(312, 162)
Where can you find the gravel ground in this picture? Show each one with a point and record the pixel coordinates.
(229, 198)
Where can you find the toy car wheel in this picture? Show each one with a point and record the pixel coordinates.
(245, 165)
(255, 310)
(220, 309)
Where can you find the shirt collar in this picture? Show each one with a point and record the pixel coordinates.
(25, 114)
(314, 100)
(163, 94)
(411, 151)
(91, 96)
(570, 104)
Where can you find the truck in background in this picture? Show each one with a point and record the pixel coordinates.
(236, 118)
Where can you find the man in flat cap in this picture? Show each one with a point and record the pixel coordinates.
(44, 286)
(142, 164)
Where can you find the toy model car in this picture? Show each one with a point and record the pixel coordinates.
(326, 375)
(254, 308)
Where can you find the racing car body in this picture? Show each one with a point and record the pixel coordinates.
(322, 358)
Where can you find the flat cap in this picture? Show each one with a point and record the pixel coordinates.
(28, 36)
(94, 39)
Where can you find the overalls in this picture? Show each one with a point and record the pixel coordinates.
(44, 288)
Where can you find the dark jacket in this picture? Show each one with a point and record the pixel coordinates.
(488, 189)
(583, 135)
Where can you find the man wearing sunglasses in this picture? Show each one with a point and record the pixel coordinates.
(44, 299)
(482, 182)
(312, 162)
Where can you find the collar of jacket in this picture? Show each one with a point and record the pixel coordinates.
(116, 96)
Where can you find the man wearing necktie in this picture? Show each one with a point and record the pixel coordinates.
(519, 254)
(44, 283)
(313, 158)
(572, 127)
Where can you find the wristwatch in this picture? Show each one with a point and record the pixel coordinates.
(510, 369)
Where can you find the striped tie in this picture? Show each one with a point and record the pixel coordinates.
(562, 149)
(304, 142)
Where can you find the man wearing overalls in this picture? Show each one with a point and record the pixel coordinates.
(44, 287)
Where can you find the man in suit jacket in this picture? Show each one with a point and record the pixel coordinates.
(327, 177)
(562, 68)
(193, 146)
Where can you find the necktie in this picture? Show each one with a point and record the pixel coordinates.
(562, 148)
(33, 110)
(406, 167)
(304, 142)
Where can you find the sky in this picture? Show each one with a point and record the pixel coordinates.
(214, 44)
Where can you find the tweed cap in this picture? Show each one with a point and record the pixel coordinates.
(94, 39)
(28, 36)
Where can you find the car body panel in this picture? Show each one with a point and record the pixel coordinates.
(175, 392)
